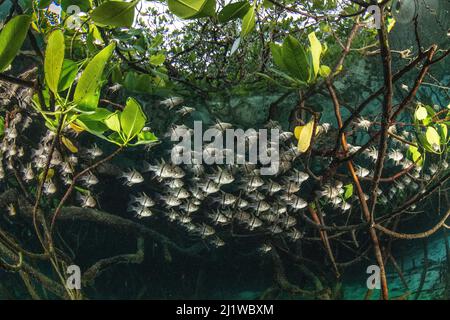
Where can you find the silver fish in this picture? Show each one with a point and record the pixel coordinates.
(161, 170)
(294, 234)
(291, 187)
(185, 110)
(221, 126)
(222, 177)
(265, 248)
(256, 195)
(87, 201)
(184, 218)
(218, 218)
(171, 201)
(175, 183)
(49, 187)
(288, 221)
(172, 215)
(226, 199)
(217, 242)
(172, 102)
(94, 151)
(204, 230)
(254, 182)
(272, 187)
(242, 216)
(209, 187)
(190, 206)
(253, 222)
(141, 211)
(296, 202)
(180, 193)
(260, 206)
(298, 176)
(241, 203)
(143, 200)
(66, 168)
(11, 210)
(89, 179)
(362, 172)
(286, 135)
(275, 229)
(28, 173)
(132, 177)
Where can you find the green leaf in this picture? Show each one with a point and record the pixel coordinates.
(267, 4)
(95, 127)
(132, 119)
(68, 74)
(233, 11)
(421, 113)
(145, 138)
(114, 13)
(348, 191)
(12, 37)
(44, 4)
(316, 51)
(89, 82)
(141, 83)
(54, 57)
(2, 126)
(208, 10)
(433, 138)
(443, 132)
(99, 114)
(116, 138)
(186, 9)
(84, 5)
(113, 122)
(324, 71)
(277, 55)
(248, 22)
(157, 59)
(295, 58)
(415, 155)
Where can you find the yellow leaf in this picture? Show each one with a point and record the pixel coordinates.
(76, 127)
(421, 113)
(304, 136)
(297, 131)
(50, 174)
(69, 145)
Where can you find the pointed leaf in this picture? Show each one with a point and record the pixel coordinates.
(233, 11)
(54, 57)
(295, 59)
(69, 144)
(114, 13)
(248, 22)
(68, 74)
(12, 37)
(89, 82)
(113, 122)
(186, 9)
(277, 55)
(304, 136)
(316, 51)
(132, 119)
